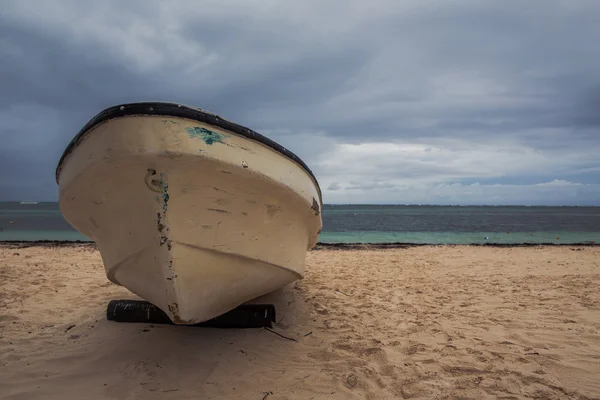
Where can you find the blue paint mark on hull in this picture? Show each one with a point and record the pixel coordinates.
(209, 137)
(165, 192)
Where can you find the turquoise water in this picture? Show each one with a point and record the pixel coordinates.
(459, 237)
(372, 237)
(33, 235)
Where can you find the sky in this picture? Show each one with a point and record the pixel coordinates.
(391, 102)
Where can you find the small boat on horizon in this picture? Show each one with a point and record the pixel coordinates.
(189, 211)
(28, 202)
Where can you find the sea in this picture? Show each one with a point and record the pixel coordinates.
(416, 224)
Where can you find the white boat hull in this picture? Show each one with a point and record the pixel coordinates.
(194, 218)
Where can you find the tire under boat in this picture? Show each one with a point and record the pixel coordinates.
(189, 211)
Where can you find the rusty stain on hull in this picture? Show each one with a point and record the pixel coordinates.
(174, 309)
(315, 207)
(161, 224)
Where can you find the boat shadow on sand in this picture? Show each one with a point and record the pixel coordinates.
(163, 357)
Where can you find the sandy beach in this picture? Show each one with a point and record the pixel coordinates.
(420, 322)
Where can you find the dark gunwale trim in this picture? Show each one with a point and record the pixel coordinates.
(178, 110)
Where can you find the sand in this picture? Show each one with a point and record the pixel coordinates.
(429, 322)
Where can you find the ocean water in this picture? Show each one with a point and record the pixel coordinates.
(374, 224)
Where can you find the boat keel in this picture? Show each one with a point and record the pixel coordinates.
(192, 285)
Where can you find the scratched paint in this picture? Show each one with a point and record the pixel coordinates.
(165, 192)
(209, 137)
(165, 197)
(164, 232)
(315, 207)
(152, 183)
(161, 222)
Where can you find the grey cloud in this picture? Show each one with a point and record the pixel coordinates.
(440, 74)
(370, 186)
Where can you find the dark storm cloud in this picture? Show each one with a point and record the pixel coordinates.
(50, 72)
(49, 91)
(446, 74)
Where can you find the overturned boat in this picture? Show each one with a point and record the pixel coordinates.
(189, 211)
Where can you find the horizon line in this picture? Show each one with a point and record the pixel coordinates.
(394, 204)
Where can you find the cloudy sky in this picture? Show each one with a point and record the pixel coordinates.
(438, 102)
